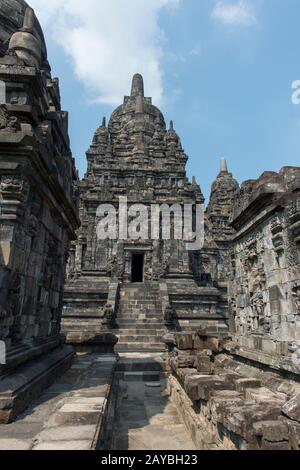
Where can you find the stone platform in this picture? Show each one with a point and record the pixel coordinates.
(18, 388)
(69, 414)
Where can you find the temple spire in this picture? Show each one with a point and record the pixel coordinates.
(223, 165)
(104, 121)
(139, 106)
(28, 22)
(137, 88)
(24, 43)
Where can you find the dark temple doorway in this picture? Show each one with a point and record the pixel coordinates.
(137, 268)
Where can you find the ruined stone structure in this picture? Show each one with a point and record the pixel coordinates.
(144, 285)
(244, 392)
(38, 214)
(264, 287)
(227, 403)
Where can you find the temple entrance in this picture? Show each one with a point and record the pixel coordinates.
(137, 268)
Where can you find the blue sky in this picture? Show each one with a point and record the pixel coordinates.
(222, 70)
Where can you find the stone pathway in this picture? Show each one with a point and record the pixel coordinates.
(146, 419)
(67, 415)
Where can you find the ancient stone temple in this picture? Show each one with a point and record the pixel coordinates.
(143, 285)
(38, 213)
(208, 353)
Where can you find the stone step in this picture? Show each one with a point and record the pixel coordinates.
(137, 313)
(140, 298)
(148, 376)
(135, 302)
(149, 308)
(139, 339)
(139, 316)
(140, 288)
(139, 331)
(142, 365)
(140, 303)
(130, 326)
(140, 347)
(140, 320)
(140, 306)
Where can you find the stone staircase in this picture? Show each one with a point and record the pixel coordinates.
(140, 320)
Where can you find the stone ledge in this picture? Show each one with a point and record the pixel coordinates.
(27, 382)
(275, 362)
(24, 352)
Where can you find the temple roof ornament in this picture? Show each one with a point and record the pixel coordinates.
(136, 135)
(223, 165)
(26, 46)
(223, 193)
(172, 136)
(137, 88)
(139, 105)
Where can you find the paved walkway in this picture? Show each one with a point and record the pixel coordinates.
(146, 420)
(67, 415)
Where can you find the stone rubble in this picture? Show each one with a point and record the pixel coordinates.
(230, 404)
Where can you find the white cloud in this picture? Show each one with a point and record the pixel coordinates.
(108, 41)
(196, 51)
(239, 13)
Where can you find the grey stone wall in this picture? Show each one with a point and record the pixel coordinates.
(265, 272)
(38, 213)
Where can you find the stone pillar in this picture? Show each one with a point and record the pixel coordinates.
(2, 92)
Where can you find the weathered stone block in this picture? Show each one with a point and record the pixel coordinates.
(213, 344)
(169, 340)
(264, 395)
(204, 363)
(272, 431)
(184, 341)
(198, 343)
(292, 408)
(243, 384)
(191, 385)
(185, 360)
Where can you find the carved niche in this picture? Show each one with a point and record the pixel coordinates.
(296, 296)
(8, 123)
